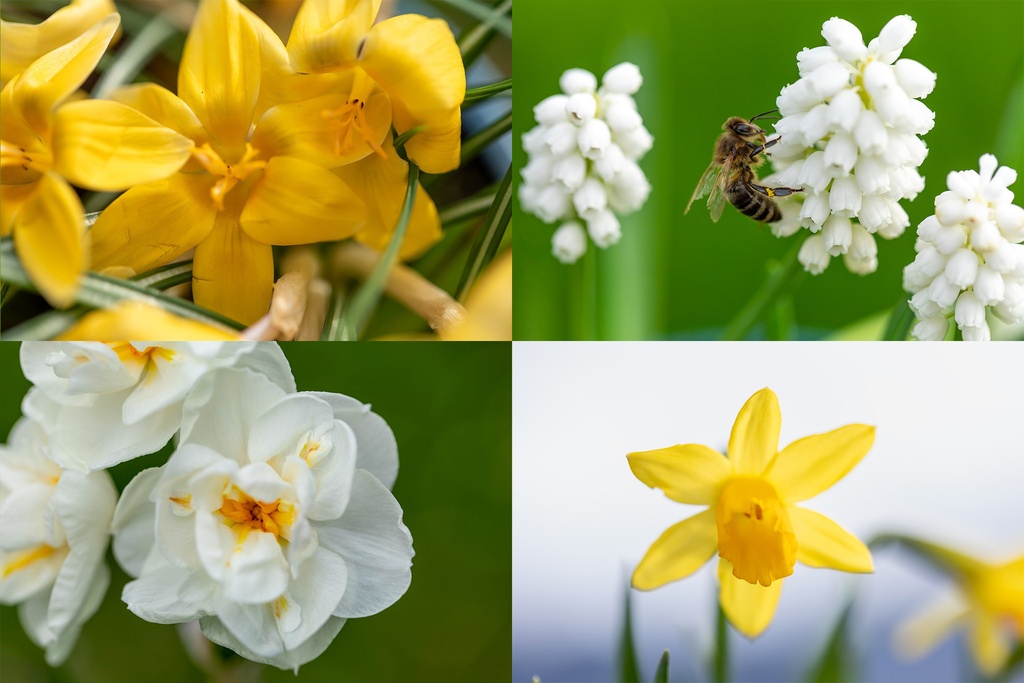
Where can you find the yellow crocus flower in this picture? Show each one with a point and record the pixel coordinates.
(22, 44)
(488, 306)
(94, 144)
(135, 320)
(752, 521)
(253, 180)
(988, 604)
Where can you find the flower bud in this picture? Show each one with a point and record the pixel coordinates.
(603, 227)
(575, 81)
(623, 78)
(569, 242)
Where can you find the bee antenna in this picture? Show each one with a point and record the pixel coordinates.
(772, 111)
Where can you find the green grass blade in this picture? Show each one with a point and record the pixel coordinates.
(365, 300)
(661, 674)
(900, 321)
(487, 240)
(629, 668)
(474, 40)
(135, 56)
(834, 664)
(493, 16)
(47, 325)
(334, 328)
(477, 143)
(484, 91)
(721, 663)
(468, 208)
(166, 276)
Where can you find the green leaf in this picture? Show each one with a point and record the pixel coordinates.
(365, 300)
(782, 280)
(492, 16)
(477, 143)
(900, 322)
(485, 246)
(334, 328)
(166, 276)
(629, 669)
(468, 208)
(475, 39)
(47, 325)
(484, 91)
(661, 674)
(721, 661)
(836, 661)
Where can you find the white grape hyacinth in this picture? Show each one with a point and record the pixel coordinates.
(272, 523)
(54, 529)
(582, 169)
(970, 256)
(104, 403)
(849, 136)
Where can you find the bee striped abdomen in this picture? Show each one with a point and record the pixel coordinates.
(753, 204)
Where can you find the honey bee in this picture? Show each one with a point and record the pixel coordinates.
(731, 173)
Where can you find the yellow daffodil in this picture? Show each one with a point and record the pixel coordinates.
(251, 183)
(414, 61)
(22, 44)
(752, 522)
(134, 320)
(44, 143)
(989, 604)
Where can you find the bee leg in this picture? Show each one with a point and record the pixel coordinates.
(760, 148)
(774, 191)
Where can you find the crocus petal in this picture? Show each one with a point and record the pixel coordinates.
(812, 464)
(748, 606)
(163, 106)
(376, 547)
(488, 306)
(328, 33)
(219, 76)
(755, 434)
(54, 76)
(688, 474)
(22, 44)
(108, 146)
(383, 183)
(153, 224)
(49, 237)
(989, 648)
(418, 63)
(376, 448)
(296, 202)
(679, 552)
(232, 273)
(823, 543)
(437, 147)
(12, 198)
(134, 320)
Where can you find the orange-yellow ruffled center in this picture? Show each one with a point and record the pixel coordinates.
(244, 514)
(754, 531)
(129, 353)
(230, 174)
(349, 121)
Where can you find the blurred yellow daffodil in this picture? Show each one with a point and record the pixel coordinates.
(752, 522)
(22, 44)
(988, 603)
(251, 183)
(94, 144)
(488, 306)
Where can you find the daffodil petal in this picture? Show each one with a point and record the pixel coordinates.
(823, 543)
(755, 434)
(49, 236)
(418, 63)
(232, 273)
(925, 630)
(219, 76)
(989, 647)
(133, 320)
(296, 202)
(54, 76)
(22, 44)
(164, 107)
(108, 146)
(383, 183)
(153, 224)
(748, 606)
(327, 33)
(688, 473)
(679, 552)
(437, 148)
(812, 464)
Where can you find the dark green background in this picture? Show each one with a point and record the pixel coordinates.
(450, 408)
(683, 276)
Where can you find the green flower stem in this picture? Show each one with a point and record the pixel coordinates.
(134, 57)
(477, 143)
(485, 91)
(400, 140)
(493, 16)
(900, 321)
(629, 667)
(780, 283)
(721, 647)
(334, 329)
(583, 298)
(365, 300)
(485, 246)
(661, 673)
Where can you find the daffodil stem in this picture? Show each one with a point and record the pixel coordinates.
(485, 245)
(481, 140)
(781, 282)
(134, 57)
(485, 91)
(721, 647)
(899, 323)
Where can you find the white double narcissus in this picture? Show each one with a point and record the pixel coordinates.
(107, 403)
(54, 528)
(272, 523)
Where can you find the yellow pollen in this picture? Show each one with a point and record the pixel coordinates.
(230, 174)
(280, 605)
(309, 449)
(351, 127)
(754, 531)
(15, 155)
(26, 558)
(245, 514)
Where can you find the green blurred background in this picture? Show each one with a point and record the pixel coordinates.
(675, 276)
(450, 408)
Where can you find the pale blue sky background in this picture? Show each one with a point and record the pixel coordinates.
(948, 464)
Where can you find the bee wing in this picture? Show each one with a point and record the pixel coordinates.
(716, 202)
(707, 182)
